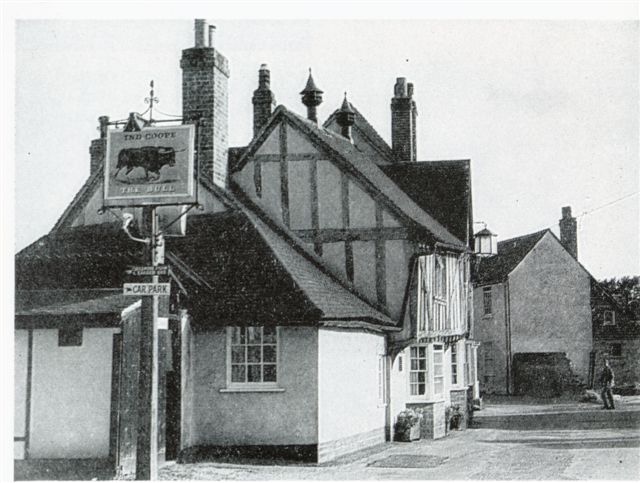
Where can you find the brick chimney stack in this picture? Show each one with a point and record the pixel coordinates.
(403, 121)
(98, 146)
(263, 99)
(205, 99)
(569, 231)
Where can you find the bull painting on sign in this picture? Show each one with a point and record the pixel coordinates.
(150, 167)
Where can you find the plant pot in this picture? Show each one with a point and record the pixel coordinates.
(414, 432)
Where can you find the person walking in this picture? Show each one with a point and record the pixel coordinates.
(606, 379)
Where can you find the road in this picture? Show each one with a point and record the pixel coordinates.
(479, 454)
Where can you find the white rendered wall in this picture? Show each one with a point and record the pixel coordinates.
(348, 402)
(287, 417)
(71, 395)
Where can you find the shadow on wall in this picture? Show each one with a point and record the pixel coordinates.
(544, 374)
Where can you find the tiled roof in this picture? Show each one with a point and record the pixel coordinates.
(235, 267)
(81, 257)
(367, 131)
(496, 268)
(442, 188)
(71, 302)
(362, 166)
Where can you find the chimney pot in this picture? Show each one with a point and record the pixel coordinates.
(312, 98)
(346, 118)
(403, 121)
(200, 32)
(212, 33)
(104, 126)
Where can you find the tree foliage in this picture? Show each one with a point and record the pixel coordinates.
(626, 291)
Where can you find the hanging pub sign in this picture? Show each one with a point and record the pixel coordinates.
(153, 166)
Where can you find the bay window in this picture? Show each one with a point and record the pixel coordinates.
(426, 371)
(438, 369)
(418, 371)
(454, 364)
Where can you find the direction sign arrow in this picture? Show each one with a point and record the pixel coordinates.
(148, 271)
(138, 289)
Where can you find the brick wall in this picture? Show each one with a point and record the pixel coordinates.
(403, 121)
(459, 397)
(205, 75)
(433, 419)
(96, 153)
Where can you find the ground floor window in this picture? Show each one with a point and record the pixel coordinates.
(427, 371)
(454, 364)
(252, 355)
(438, 369)
(418, 371)
(615, 349)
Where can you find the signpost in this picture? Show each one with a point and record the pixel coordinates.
(147, 289)
(148, 168)
(146, 271)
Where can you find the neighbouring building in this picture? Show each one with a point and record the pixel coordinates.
(616, 336)
(323, 288)
(532, 306)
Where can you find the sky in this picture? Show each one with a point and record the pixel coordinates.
(547, 110)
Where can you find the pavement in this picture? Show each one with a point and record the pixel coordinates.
(511, 439)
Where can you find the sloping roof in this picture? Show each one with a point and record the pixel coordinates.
(360, 166)
(368, 132)
(79, 200)
(83, 257)
(496, 268)
(71, 302)
(235, 267)
(257, 275)
(442, 188)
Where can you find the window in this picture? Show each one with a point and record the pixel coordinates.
(438, 369)
(615, 350)
(70, 337)
(418, 371)
(454, 364)
(609, 317)
(440, 275)
(400, 363)
(487, 301)
(253, 355)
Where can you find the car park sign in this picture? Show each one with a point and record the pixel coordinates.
(153, 166)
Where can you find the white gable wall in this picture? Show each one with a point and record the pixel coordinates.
(550, 305)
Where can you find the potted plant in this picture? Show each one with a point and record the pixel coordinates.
(408, 425)
(454, 417)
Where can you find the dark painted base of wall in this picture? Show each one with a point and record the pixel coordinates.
(63, 469)
(305, 452)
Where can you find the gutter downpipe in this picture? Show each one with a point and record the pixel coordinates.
(507, 323)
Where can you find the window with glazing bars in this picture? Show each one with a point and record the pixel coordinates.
(254, 355)
(418, 371)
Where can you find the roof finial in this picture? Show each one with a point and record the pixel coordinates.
(311, 97)
(151, 100)
(346, 117)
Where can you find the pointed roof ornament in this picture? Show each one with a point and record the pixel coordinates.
(346, 105)
(346, 117)
(312, 98)
(311, 86)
